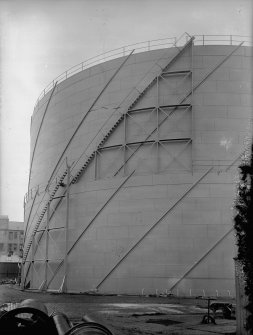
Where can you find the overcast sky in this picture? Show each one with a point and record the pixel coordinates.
(41, 39)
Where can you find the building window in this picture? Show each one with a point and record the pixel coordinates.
(14, 247)
(15, 235)
(1, 246)
(9, 246)
(11, 235)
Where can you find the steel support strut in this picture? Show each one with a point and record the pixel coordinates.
(38, 133)
(66, 231)
(152, 227)
(197, 262)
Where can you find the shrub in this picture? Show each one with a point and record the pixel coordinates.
(243, 224)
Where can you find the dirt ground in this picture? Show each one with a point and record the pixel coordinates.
(125, 315)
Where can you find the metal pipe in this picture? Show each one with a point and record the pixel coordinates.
(61, 322)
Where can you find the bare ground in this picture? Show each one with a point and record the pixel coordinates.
(125, 315)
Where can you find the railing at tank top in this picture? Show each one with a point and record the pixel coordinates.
(147, 46)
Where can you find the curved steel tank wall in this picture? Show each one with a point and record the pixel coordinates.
(169, 225)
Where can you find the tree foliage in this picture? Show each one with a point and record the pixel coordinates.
(243, 224)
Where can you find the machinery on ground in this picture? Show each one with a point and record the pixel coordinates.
(32, 318)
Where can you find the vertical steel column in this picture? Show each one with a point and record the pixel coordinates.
(66, 229)
(32, 261)
(22, 275)
(191, 110)
(157, 143)
(46, 246)
(124, 148)
(157, 125)
(28, 218)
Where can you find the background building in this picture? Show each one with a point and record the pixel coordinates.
(133, 170)
(11, 246)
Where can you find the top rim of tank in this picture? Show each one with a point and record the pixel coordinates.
(199, 40)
